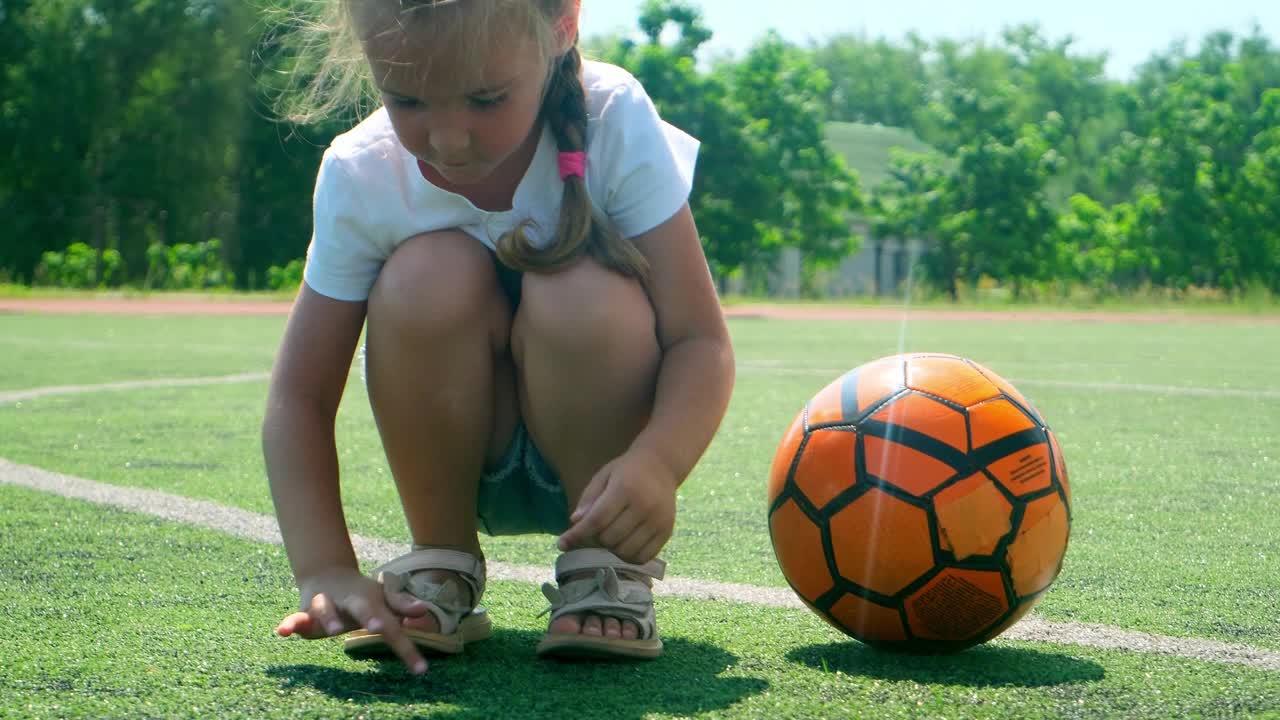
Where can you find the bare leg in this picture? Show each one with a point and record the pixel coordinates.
(441, 383)
(586, 350)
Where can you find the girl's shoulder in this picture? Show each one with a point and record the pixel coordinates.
(601, 78)
(611, 90)
(373, 140)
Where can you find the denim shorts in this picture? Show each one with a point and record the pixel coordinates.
(522, 494)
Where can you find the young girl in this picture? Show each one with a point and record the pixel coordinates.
(545, 350)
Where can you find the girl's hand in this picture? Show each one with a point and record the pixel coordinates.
(628, 508)
(341, 599)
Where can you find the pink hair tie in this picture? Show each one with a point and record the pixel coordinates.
(573, 164)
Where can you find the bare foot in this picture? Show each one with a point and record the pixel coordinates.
(428, 623)
(592, 624)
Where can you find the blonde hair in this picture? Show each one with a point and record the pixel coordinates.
(330, 75)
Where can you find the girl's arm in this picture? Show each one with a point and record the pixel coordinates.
(629, 506)
(696, 376)
(307, 383)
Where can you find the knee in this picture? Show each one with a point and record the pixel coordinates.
(435, 281)
(584, 308)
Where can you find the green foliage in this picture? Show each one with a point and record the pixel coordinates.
(914, 202)
(1201, 152)
(288, 277)
(814, 191)
(766, 177)
(188, 266)
(1103, 248)
(1174, 177)
(161, 132)
(874, 81)
(988, 214)
(121, 121)
(80, 266)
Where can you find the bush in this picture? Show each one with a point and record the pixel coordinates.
(188, 266)
(288, 277)
(80, 266)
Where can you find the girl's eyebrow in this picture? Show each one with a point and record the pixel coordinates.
(494, 89)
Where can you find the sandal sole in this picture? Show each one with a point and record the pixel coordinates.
(578, 647)
(473, 628)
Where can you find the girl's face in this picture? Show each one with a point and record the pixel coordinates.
(462, 123)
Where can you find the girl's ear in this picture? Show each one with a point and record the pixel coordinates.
(567, 28)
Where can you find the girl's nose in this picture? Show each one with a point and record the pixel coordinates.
(449, 140)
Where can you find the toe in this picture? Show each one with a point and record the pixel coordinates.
(612, 628)
(630, 631)
(569, 624)
(427, 623)
(592, 625)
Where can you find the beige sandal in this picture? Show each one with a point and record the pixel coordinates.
(616, 589)
(460, 623)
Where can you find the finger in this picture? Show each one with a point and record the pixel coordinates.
(403, 647)
(325, 615)
(581, 533)
(651, 548)
(622, 527)
(379, 621)
(299, 623)
(590, 494)
(405, 604)
(359, 610)
(632, 548)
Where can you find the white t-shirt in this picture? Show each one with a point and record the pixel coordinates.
(370, 195)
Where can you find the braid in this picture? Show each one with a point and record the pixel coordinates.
(564, 108)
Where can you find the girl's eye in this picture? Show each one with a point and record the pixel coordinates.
(486, 102)
(403, 102)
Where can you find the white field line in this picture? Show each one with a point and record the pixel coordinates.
(77, 344)
(263, 528)
(1254, 393)
(34, 393)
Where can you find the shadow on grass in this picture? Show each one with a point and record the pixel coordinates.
(982, 666)
(501, 677)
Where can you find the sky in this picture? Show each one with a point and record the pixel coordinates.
(1128, 30)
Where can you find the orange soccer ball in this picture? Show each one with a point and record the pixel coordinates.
(919, 503)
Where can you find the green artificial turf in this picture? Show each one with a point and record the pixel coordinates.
(1171, 529)
(112, 614)
(52, 350)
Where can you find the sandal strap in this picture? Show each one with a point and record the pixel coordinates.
(443, 600)
(606, 592)
(592, 558)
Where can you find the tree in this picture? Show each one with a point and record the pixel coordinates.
(1253, 257)
(765, 177)
(1075, 87)
(1199, 138)
(873, 81)
(1103, 248)
(118, 123)
(814, 192)
(914, 201)
(724, 199)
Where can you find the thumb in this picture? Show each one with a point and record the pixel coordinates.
(590, 494)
